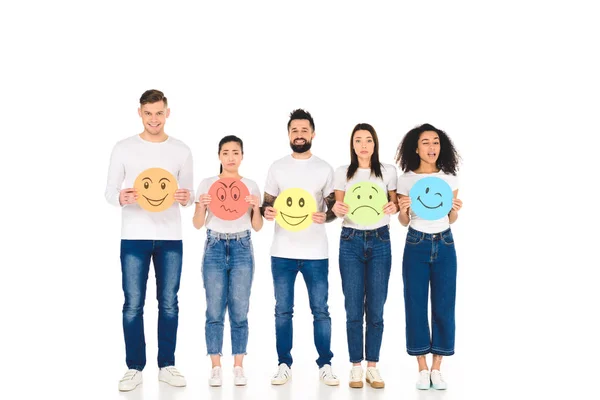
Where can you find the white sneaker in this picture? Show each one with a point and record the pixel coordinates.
(284, 373)
(216, 377)
(356, 377)
(238, 377)
(424, 381)
(437, 382)
(326, 375)
(374, 378)
(171, 376)
(130, 380)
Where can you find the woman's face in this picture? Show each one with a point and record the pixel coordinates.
(428, 147)
(363, 144)
(231, 156)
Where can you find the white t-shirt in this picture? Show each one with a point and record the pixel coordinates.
(134, 155)
(388, 183)
(406, 182)
(316, 177)
(220, 225)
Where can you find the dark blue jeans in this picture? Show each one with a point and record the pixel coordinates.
(365, 264)
(227, 271)
(429, 259)
(315, 274)
(135, 265)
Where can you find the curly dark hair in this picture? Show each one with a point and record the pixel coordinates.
(408, 159)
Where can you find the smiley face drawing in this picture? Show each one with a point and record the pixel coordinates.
(295, 207)
(431, 198)
(365, 200)
(156, 188)
(228, 198)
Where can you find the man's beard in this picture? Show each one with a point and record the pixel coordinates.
(301, 148)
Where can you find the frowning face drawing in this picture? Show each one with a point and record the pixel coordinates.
(228, 198)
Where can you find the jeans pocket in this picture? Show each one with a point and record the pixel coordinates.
(210, 242)
(383, 235)
(447, 238)
(347, 234)
(414, 237)
(245, 242)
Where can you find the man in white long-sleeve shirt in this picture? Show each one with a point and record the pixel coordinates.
(146, 236)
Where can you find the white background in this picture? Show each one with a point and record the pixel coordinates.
(515, 85)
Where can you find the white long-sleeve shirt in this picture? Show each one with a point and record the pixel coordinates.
(134, 155)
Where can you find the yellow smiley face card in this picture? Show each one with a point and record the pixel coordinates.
(156, 189)
(295, 207)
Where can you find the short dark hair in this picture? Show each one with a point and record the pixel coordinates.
(301, 114)
(153, 96)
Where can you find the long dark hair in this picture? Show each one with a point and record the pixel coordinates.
(408, 159)
(375, 164)
(227, 139)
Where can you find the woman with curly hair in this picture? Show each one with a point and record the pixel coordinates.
(429, 253)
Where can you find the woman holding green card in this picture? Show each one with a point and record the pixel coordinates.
(365, 193)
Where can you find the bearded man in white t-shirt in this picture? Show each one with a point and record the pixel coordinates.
(146, 236)
(303, 251)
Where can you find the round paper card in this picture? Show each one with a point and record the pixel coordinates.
(156, 189)
(365, 200)
(295, 207)
(431, 198)
(228, 198)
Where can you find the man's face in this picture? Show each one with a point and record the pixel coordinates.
(154, 116)
(301, 135)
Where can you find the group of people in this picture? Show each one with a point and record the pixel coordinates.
(429, 258)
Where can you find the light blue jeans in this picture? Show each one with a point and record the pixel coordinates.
(227, 271)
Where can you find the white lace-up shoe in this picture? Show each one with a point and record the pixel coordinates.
(216, 377)
(130, 380)
(374, 378)
(424, 381)
(326, 375)
(239, 379)
(437, 382)
(356, 377)
(284, 373)
(171, 376)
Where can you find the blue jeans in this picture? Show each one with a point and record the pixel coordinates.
(429, 259)
(315, 276)
(227, 271)
(135, 265)
(365, 264)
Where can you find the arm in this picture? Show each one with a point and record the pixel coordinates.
(255, 214)
(200, 213)
(116, 175)
(404, 206)
(329, 214)
(185, 194)
(456, 205)
(267, 209)
(392, 206)
(340, 208)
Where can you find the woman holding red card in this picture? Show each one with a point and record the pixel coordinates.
(228, 205)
